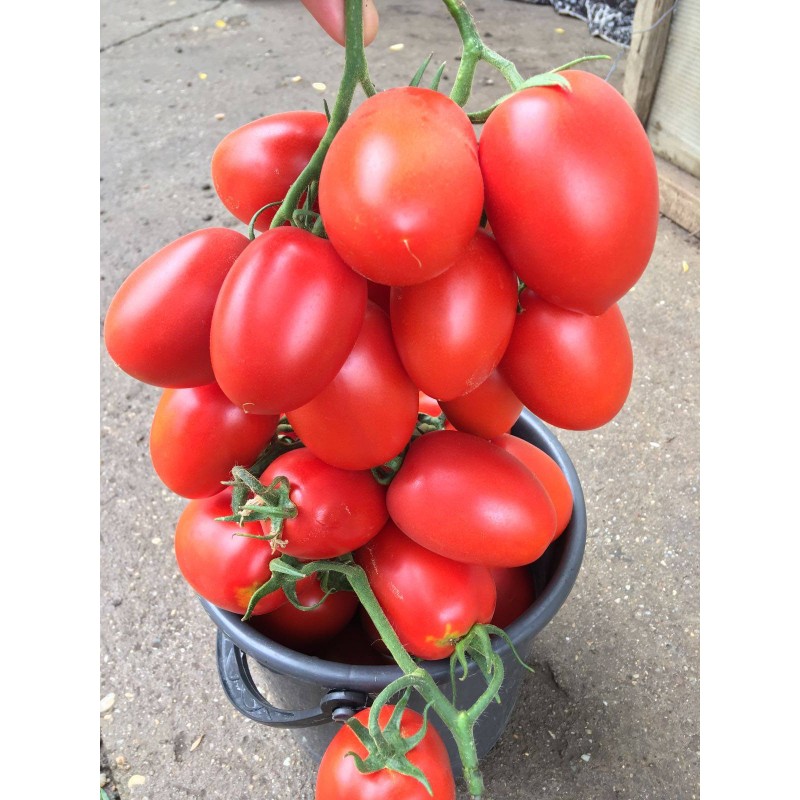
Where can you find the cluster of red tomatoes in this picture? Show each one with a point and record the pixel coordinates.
(409, 296)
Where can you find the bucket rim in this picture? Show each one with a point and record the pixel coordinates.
(368, 678)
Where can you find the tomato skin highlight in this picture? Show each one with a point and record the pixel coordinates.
(287, 316)
(452, 330)
(158, 324)
(307, 630)
(220, 566)
(571, 191)
(365, 416)
(572, 370)
(547, 471)
(401, 171)
(488, 509)
(430, 600)
(488, 411)
(197, 436)
(337, 510)
(338, 777)
(257, 163)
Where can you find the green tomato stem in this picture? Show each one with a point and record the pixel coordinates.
(356, 73)
(494, 684)
(473, 51)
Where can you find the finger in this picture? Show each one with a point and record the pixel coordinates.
(330, 15)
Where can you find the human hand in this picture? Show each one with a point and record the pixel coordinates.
(330, 15)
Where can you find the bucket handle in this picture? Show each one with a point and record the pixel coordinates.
(337, 705)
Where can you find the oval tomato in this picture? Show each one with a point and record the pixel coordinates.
(220, 566)
(547, 471)
(452, 330)
(400, 190)
(515, 594)
(198, 436)
(257, 163)
(463, 497)
(571, 191)
(306, 630)
(431, 601)
(351, 646)
(338, 510)
(287, 316)
(158, 324)
(488, 411)
(338, 777)
(365, 416)
(572, 370)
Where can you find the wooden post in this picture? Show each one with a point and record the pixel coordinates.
(643, 65)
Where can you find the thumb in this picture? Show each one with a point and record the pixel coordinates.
(330, 15)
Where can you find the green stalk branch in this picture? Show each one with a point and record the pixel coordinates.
(473, 51)
(356, 73)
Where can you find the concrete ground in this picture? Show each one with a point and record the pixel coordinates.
(613, 708)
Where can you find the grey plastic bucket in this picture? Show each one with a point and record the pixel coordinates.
(315, 697)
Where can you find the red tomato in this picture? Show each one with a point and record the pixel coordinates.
(351, 646)
(365, 416)
(452, 330)
(488, 411)
(379, 293)
(571, 191)
(431, 601)
(547, 471)
(287, 316)
(338, 777)
(256, 164)
(338, 510)
(429, 406)
(572, 370)
(515, 594)
(466, 499)
(158, 324)
(306, 630)
(198, 436)
(220, 566)
(400, 189)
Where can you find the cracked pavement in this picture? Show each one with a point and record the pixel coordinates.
(612, 710)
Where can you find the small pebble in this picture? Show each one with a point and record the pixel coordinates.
(218, 117)
(585, 757)
(136, 780)
(107, 702)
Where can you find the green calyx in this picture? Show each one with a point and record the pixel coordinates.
(387, 748)
(271, 503)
